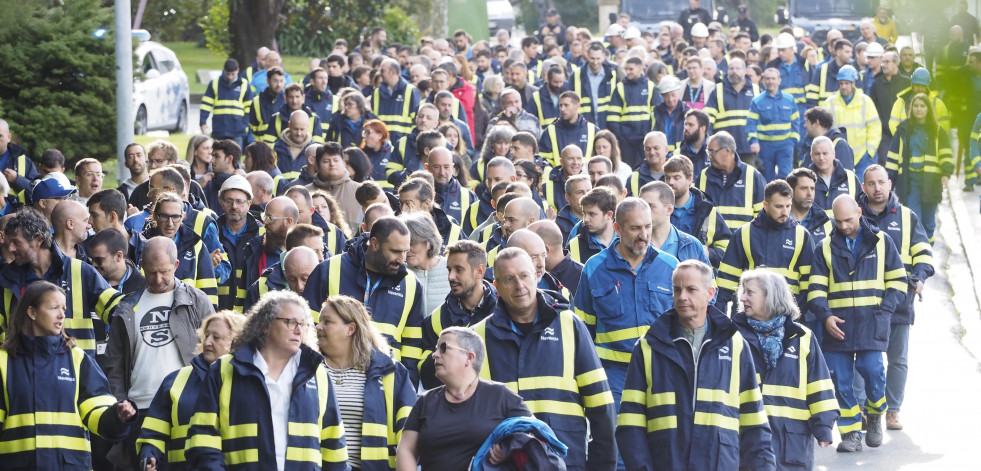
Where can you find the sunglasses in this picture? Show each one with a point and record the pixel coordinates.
(443, 345)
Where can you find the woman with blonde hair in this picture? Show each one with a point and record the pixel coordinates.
(161, 442)
(327, 207)
(357, 355)
(199, 156)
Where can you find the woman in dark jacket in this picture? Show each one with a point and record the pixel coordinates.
(797, 390)
(57, 391)
(162, 439)
(378, 149)
(920, 162)
(346, 126)
(357, 356)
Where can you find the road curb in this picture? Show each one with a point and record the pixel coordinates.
(965, 228)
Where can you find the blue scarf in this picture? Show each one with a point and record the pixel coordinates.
(770, 334)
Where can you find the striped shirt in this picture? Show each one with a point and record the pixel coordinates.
(349, 388)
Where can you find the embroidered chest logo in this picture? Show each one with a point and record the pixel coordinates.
(548, 335)
(724, 353)
(65, 375)
(791, 353)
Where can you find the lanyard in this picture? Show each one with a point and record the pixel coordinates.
(369, 288)
(694, 92)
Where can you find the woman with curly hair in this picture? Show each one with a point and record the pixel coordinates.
(326, 206)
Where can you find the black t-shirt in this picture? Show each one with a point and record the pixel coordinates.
(450, 433)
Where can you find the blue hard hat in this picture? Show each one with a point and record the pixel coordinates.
(921, 76)
(848, 73)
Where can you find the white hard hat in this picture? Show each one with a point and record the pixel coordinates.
(874, 50)
(699, 30)
(631, 33)
(614, 30)
(669, 84)
(785, 40)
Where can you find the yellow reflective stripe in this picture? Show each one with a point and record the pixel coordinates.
(334, 456)
(598, 399)
(716, 420)
(591, 377)
(250, 455)
(546, 382)
(622, 334)
(555, 407)
(303, 429)
(42, 418)
(44, 441)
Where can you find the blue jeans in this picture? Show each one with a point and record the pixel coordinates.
(896, 372)
(914, 201)
(776, 159)
(870, 366)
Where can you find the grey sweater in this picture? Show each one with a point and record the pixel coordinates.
(435, 285)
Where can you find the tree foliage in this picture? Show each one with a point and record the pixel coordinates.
(173, 20)
(217, 37)
(57, 83)
(309, 27)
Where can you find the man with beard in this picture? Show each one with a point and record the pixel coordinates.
(570, 129)
(319, 98)
(773, 127)
(624, 288)
(594, 84)
(374, 270)
(291, 146)
(236, 227)
(544, 103)
(264, 250)
(279, 122)
(669, 115)
(596, 233)
(694, 212)
(695, 136)
(471, 299)
(728, 104)
(336, 78)
(775, 241)
(734, 187)
(803, 182)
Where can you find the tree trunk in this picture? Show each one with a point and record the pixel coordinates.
(252, 24)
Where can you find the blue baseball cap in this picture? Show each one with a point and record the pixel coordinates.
(53, 185)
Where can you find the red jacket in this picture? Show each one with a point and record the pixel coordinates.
(467, 94)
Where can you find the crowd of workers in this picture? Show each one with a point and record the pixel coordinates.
(696, 248)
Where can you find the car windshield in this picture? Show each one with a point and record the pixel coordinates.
(848, 9)
(652, 11)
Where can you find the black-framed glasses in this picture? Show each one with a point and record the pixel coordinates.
(293, 324)
(711, 152)
(169, 217)
(443, 345)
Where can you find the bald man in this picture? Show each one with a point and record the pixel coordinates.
(70, 220)
(571, 163)
(291, 145)
(557, 262)
(291, 274)
(451, 196)
(518, 214)
(858, 270)
(263, 250)
(531, 243)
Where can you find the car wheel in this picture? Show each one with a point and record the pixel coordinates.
(140, 127)
(181, 126)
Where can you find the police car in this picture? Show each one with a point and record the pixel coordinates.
(161, 96)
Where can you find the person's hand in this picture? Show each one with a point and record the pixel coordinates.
(151, 465)
(216, 257)
(11, 175)
(945, 180)
(205, 179)
(550, 213)
(824, 444)
(754, 148)
(204, 129)
(131, 210)
(125, 410)
(978, 171)
(831, 325)
(919, 287)
(497, 455)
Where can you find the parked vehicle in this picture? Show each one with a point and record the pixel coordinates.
(161, 96)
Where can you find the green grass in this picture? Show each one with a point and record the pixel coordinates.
(195, 58)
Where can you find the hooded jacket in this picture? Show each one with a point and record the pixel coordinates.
(271, 279)
(561, 133)
(737, 195)
(229, 296)
(843, 182)
(347, 132)
(728, 111)
(170, 414)
(396, 107)
(454, 199)
(288, 165)
(451, 314)
(843, 152)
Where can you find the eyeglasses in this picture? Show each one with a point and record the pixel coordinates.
(99, 175)
(271, 219)
(443, 345)
(233, 202)
(366, 132)
(161, 188)
(710, 152)
(293, 324)
(169, 217)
